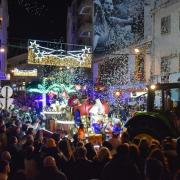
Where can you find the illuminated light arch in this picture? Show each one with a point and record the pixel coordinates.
(56, 54)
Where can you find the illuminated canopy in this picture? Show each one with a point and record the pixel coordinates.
(58, 54)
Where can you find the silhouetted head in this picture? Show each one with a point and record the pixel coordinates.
(49, 161)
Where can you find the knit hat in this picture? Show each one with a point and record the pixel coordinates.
(51, 143)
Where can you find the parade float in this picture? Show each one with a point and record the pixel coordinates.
(64, 109)
(64, 88)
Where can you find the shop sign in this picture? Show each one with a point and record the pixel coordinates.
(31, 73)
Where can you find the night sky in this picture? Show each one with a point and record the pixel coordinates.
(38, 19)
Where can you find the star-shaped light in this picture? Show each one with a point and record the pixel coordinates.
(86, 50)
(39, 55)
(34, 46)
(80, 57)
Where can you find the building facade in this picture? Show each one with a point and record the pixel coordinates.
(166, 41)
(4, 21)
(153, 32)
(130, 30)
(115, 29)
(79, 23)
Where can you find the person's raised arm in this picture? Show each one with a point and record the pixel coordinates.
(120, 21)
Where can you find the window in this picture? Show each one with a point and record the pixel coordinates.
(165, 70)
(169, 98)
(166, 25)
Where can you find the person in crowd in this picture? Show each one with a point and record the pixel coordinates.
(52, 150)
(66, 148)
(56, 137)
(17, 161)
(159, 155)
(108, 145)
(30, 131)
(5, 155)
(17, 132)
(82, 168)
(38, 141)
(28, 141)
(50, 170)
(124, 138)
(30, 164)
(4, 170)
(134, 155)
(3, 137)
(75, 140)
(103, 157)
(81, 132)
(120, 167)
(154, 144)
(115, 142)
(91, 153)
(39, 136)
(80, 144)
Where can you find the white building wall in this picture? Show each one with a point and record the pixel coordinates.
(148, 19)
(148, 32)
(167, 45)
(131, 64)
(148, 62)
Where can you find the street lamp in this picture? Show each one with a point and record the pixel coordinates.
(2, 49)
(153, 87)
(136, 50)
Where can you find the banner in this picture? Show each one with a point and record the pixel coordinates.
(19, 72)
(117, 24)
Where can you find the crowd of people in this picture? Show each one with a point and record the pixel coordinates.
(30, 153)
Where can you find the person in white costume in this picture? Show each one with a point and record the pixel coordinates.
(97, 112)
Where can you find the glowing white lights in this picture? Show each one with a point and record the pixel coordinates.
(136, 50)
(153, 87)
